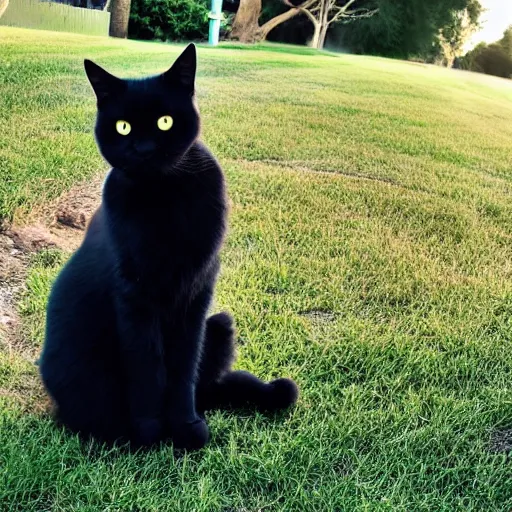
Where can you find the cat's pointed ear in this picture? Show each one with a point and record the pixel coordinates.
(183, 71)
(103, 83)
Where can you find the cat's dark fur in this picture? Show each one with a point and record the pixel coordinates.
(129, 351)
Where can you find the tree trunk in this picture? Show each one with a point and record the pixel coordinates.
(449, 60)
(245, 25)
(320, 23)
(316, 36)
(322, 35)
(324, 23)
(119, 17)
(3, 6)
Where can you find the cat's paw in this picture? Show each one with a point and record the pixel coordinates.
(146, 431)
(284, 393)
(191, 435)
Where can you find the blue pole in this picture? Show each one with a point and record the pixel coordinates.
(215, 19)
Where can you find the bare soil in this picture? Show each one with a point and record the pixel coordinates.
(62, 226)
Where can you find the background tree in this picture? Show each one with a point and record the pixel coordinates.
(506, 41)
(493, 59)
(453, 36)
(322, 13)
(403, 28)
(119, 17)
(246, 27)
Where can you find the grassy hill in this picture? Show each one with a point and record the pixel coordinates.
(369, 258)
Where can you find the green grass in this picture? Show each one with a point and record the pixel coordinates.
(369, 258)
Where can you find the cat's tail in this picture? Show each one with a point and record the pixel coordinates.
(219, 387)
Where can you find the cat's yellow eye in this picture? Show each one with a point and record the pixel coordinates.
(123, 127)
(165, 123)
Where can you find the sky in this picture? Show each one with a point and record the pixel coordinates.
(494, 21)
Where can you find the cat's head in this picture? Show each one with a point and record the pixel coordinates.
(146, 124)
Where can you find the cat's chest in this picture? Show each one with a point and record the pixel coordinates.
(175, 226)
(163, 232)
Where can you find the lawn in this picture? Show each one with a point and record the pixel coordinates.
(369, 258)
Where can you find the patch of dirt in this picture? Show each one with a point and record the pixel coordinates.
(75, 208)
(31, 239)
(73, 211)
(62, 226)
(501, 441)
(13, 262)
(16, 246)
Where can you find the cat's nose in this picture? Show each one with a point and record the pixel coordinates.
(144, 148)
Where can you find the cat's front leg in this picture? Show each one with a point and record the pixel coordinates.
(183, 339)
(142, 358)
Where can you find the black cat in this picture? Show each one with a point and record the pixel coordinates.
(129, 352)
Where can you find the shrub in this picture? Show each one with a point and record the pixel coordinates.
(169, 19)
